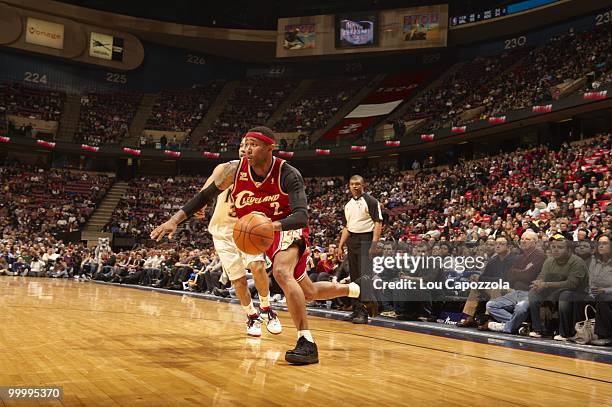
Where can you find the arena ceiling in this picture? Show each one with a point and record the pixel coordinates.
(262, 15)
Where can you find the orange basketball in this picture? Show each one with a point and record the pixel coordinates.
(253, 233)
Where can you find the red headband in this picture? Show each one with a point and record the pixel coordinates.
(260, 136)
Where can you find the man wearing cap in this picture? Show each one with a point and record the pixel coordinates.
(562, 272)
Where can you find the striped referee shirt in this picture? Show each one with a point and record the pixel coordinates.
(361, 213)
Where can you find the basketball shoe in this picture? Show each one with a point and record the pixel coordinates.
(253, 324)
(304, 353)
(273, 324)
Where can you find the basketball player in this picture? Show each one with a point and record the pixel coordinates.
(233, 261)
(269, 185)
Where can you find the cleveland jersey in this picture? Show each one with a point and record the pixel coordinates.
(266, 197)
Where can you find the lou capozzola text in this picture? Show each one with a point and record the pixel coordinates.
(409, 264)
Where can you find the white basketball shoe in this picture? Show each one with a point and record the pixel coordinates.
(273, 324)
(253, 324)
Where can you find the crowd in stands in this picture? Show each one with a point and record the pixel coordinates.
(251, 104)
(182, 109)
(465, 82)
(48, 201)
(149, 199)
(321, 101)
(34, 103)
(563, 59)
(521, 78)
(105, 118)
(3, 122)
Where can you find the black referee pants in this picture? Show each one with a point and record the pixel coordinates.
(354, 244)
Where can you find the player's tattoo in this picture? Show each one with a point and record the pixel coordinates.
(226, 178)
(179, 216)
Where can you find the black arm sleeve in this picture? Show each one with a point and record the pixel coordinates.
(373, 208)
(200, 199)
(293, 184)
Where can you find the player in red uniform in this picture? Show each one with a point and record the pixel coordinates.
(269, 185)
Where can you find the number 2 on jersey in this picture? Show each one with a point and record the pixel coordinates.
(276, 207)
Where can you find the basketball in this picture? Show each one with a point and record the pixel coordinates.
(253, 233)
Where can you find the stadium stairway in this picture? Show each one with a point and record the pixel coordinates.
(297, 94)
(140, 119)
(70, 117)
(103, 212)
(214, 111)
(402, 110)
(347, 108)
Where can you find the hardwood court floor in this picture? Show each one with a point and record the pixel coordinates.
(109, 345)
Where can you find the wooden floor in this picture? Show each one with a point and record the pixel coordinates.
(109, 345)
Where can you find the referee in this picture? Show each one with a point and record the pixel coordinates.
(363, 226)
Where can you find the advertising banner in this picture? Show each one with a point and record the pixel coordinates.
(44, 33)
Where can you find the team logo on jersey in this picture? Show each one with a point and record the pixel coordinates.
(243, 177)
(246, 198)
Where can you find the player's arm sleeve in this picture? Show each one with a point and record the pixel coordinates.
(293, 184)
(221, 179)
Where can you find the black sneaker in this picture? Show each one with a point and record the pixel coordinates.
(350, 316)
(305, 353)
(362, 315)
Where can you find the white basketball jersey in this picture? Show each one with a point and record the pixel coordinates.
(221, 224)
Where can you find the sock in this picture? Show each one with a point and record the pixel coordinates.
(264, 302)
(250, 309)
(306, 334)
(354, 290)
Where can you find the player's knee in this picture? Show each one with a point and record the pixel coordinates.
(281, 274)
(240, 283)
(310, 293)
(257, 267)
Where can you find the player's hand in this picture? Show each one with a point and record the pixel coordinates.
(166, 228)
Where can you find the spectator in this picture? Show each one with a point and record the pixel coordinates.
(512, 309)
(563, 280)
(600, 280)
(496, 269)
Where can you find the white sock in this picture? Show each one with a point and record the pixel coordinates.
(250, 309)
(354, 290)
(306, 334)
(264, 302)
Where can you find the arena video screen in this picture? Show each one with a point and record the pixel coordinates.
(299, 36)
(356, 30)
(421, 27)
